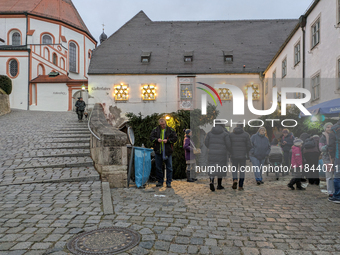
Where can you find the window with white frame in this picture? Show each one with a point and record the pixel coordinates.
(73, 57)
(16, 39)
(315, 33)
(316, 87)
(47, 39)
(274, 78)
(186, 92)
(284, 67)
(297, 53)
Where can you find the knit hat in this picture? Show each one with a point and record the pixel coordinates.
(187, 131)
(327, 124)
(285, 131)
(298, 142)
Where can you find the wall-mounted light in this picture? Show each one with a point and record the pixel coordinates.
(225, 94)
(83, 87)
(148, 92)
(256, 91)
(121, 92)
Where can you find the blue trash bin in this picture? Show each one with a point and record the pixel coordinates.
(142, 165)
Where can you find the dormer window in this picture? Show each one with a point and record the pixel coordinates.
(188, 56)
(228, 57)
(145, 57)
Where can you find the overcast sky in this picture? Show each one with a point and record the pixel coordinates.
(114, 13)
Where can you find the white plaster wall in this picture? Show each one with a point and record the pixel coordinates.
(323, 58)
(166, 90)
(18, 97)
(51, 97)
(7, 24)
(84, 45)
(167, 93)
(42, 27)
(294, 72)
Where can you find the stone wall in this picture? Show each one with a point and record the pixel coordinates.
(4, 104)
(110, 152)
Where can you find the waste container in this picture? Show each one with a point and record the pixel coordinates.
(142, 165)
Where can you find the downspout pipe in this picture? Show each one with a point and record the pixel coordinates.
(303, 21)
(28, 66)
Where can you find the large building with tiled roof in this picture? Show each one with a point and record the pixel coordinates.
(42, 37)
(173, 56)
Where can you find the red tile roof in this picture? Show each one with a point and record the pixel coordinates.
(62, 10)
(61, 78)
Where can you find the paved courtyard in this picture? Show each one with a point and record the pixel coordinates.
(49, 192)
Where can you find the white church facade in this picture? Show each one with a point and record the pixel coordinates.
(45, 48)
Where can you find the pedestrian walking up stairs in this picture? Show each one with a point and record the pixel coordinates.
(61, 155)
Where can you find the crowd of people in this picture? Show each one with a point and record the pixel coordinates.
(306, 156)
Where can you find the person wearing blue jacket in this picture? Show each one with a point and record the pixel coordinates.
(259, 152)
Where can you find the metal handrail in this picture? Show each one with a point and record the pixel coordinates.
(88, 125)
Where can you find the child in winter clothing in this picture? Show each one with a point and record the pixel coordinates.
(296, 165)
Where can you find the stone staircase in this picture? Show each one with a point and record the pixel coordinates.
(61, 156)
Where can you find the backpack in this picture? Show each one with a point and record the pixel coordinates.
(309, 143)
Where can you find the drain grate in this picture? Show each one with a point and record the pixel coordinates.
(103, 241)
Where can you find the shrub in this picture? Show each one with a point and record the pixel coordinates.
(6, 84)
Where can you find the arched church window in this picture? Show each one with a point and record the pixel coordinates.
(73, 57)
(47, 39)
(13, 68)
(16, 39)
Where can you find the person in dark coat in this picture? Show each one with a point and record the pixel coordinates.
(311, 155)
(287, 142)
(188, 146)
(239, 145)
(216, 141)
(259, 152)
(334, 151)
(163, 138)
(326, 157)
(80, 108)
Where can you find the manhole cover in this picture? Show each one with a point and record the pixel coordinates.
(104, 241)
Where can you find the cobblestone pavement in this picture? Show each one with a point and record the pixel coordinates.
(265, 219)
(40, 218)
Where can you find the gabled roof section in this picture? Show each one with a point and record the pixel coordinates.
(62, 10)
(253, 43)
(61, 78)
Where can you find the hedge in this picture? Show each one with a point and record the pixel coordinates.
(182, 119)
(6, 84)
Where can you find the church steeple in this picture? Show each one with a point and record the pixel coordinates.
(103, 36)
